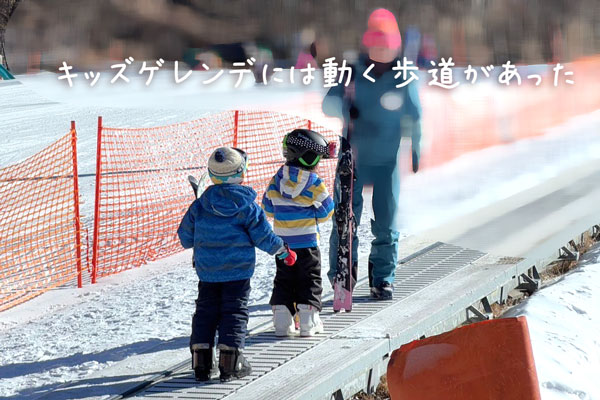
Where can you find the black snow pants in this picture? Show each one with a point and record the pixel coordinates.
(300, 283)
(221, 306)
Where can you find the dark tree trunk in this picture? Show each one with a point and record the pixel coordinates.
(7, 8)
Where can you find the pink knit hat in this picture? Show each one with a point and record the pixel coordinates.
(382, 30)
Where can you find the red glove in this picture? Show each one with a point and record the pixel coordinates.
(288, 255)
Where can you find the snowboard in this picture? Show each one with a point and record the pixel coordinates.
(198, 188)
(197, 185)
(344, 279)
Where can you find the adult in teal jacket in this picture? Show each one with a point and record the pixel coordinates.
(379, 114)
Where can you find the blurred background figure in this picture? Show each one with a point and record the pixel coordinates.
(308, 53)
(427, 52)
(43, 33)
(307, 57)
(208, 58)
(412, 43)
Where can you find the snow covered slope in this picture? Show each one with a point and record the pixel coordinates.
(137, 323)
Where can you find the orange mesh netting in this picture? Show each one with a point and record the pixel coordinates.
(142, 188)
(260, 134)
(470, 118)
(39, 223)
(473, 117)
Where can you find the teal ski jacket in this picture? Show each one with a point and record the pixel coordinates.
(382, 114)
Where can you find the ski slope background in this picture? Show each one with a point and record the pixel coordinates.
(137, 322)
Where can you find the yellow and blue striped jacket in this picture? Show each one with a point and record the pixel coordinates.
(298, 201)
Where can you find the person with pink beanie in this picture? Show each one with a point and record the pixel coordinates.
(381, 113)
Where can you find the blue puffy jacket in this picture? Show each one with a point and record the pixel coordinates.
(223, 226)
(384, 114)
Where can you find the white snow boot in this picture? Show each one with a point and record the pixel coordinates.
(283, 321)
(310, 322)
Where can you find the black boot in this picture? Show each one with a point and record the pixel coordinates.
(385, 291)
(204, 361)
(232, 363)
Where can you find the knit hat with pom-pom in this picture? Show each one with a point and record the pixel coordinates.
(227, 165)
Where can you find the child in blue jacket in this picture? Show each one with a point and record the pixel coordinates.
(224, 226)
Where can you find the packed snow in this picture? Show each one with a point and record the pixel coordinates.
(564, 321)
(90, 342)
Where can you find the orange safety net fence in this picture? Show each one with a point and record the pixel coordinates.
(473, 117)
(142, 190)
(40, 245)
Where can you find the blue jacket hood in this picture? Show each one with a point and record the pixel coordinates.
(227, 199)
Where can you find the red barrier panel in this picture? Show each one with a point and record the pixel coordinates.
(40, 241)
(141, 182)
(487, 360)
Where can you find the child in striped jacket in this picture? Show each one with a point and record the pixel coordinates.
(298, 201)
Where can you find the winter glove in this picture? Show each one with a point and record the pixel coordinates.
(287, 255)
(415, 161)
